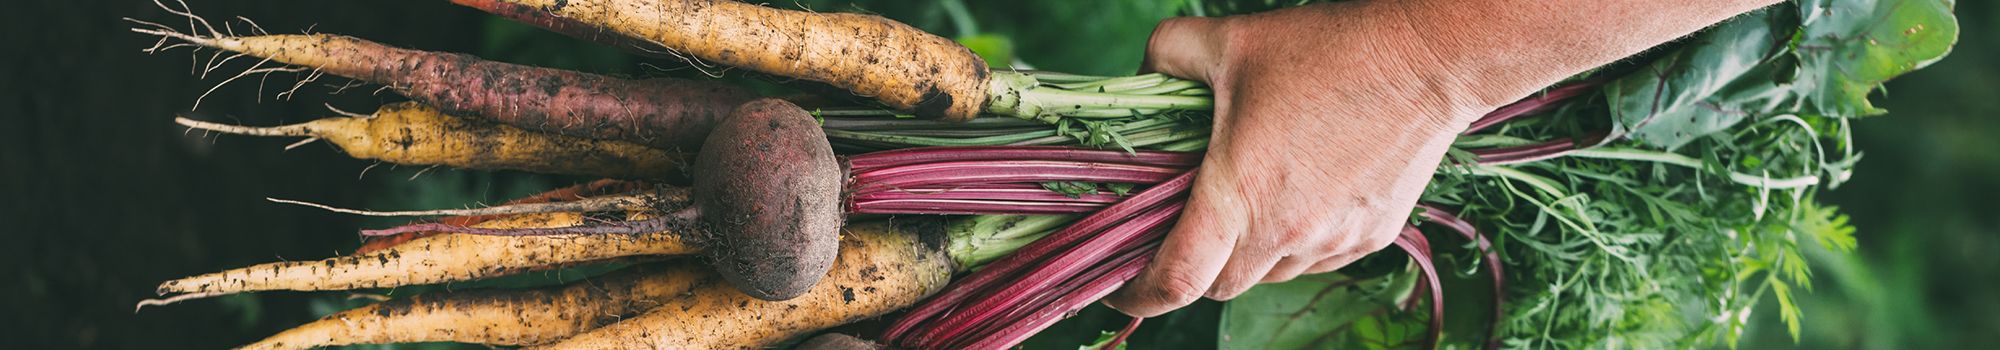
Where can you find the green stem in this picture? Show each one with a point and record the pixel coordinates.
(1161, 135)
(956, 133)
(1166, 88)
(1059, 77)
(1190, 145)
(1112, 113)
(1064, 139)
(937, 141)
(1116, 84)
(1023, 95)
(1753, 180)
(977, 240)
(1064, 102)
(1488, 140)
(877, 124)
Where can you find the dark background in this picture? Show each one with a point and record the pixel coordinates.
(104, 196)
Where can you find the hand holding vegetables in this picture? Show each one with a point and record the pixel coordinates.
(1322, 146)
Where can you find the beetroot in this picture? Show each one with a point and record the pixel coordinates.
(768, 188)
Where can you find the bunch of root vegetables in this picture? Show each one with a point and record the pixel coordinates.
(763, 220)
(1011, 200)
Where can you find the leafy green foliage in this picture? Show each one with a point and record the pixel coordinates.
(1316, 312)
(1103, 340)
(1675, 98)
(1819, 57)
(1850, 47)
(1642, 254)
(1677, 248)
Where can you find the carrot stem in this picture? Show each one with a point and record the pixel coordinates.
(885, 159)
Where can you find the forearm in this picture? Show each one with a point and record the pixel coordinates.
(1501, 50)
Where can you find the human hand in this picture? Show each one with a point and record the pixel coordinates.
(1326, 132)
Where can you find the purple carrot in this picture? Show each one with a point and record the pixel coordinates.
(576, 29)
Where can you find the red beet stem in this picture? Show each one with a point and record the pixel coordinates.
(1531, 105)
(1038, 280)
(1537, 151)
(1015, 191)
(1130, 327)
(1035, 309)
(1070, 301)
(1525, 153)
(999, 270)
(1492, 259)
(908, 156)
(1413, 242)
(969, 207)
(989, 172)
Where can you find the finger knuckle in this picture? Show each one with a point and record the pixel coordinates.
(1175, 290)
(1230, 291)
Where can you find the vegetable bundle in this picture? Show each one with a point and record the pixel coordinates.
(1647, 204)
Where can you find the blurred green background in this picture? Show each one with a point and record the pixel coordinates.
(105, 196)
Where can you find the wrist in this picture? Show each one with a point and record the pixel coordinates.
(1466, 77)
(1367, 50)
(1504, 50)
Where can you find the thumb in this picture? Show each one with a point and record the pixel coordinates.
(1186, 47)
(1191, 257)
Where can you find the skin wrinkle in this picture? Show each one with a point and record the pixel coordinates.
(1331, 119)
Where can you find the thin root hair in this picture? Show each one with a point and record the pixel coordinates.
(301, 143)
(173, 299)
(278, 131)
(337, 110)
(597, 204)
(421, 172)
(364, 170)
